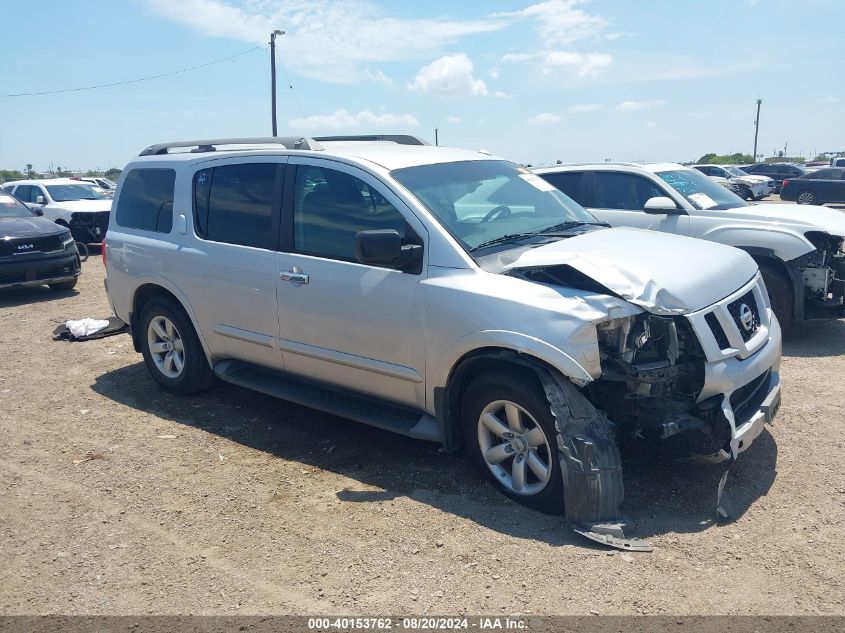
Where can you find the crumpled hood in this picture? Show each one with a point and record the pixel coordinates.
(85, 205)
(28, 227)
(663, 274)
(805, 216)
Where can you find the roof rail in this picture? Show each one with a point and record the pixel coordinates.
(211, 145)
(401, 139)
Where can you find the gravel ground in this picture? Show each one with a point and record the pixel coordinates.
(118, 498)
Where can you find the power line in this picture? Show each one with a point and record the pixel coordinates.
(132, 81)
(293, 92)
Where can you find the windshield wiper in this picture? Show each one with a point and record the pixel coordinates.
(569, 225)
(502, 239)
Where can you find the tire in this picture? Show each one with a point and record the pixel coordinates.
(506, 396)
(780, 295)
(65, 285)
(745, 192)
(164, 323)
(807, 197)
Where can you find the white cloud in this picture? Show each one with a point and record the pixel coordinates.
(829, 99)
(453, 119)
(494, 72)
(325, 39)
(559, 22)
(631, 106)
(651, 124)
(341, 119)
(544, 118)
(582, 64)
(449, 75)
(516, 58)
(378, 77)
(580, 108)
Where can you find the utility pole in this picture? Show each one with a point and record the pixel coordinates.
(436, 139)
(273, 74)
(757, 127)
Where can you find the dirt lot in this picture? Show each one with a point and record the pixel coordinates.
(232, 502)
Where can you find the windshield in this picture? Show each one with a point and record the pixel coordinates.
(735, 171)
(701, 191)
(11, 207)
(488, 200)
(66, 193)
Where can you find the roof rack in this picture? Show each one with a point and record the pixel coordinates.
(211, 145)
(401, 139)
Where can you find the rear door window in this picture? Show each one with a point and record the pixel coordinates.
(238, 204)
(146, 200)
(23, 193)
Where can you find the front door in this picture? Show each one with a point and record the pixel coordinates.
(354, 325)
(619, 198)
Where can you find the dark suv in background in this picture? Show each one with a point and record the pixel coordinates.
(776, 171)
(34, 251)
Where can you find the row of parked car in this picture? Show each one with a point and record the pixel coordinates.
(456, 297)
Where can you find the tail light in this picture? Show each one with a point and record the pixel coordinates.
(785, 182)
(103, 251)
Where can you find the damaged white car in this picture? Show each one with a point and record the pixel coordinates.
(445, 295)
(746, 186)
(798, 248)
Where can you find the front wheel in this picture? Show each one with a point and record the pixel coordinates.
(70, 284)
(172, 350)
(780, 295)
(510, 432)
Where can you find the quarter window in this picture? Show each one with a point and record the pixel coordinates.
(146, 200)
(330, 207)
(234, 203)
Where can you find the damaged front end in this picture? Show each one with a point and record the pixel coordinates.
(823, 274)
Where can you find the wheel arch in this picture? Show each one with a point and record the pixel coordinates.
(448, 398)
(766, 258)
(145, 293)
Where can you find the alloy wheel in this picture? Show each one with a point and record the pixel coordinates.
(166, 346)
(515, 448)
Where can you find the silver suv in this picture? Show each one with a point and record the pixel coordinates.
(446, 295)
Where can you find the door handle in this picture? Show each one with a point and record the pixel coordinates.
(295, 275)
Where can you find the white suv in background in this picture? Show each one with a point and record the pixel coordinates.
(798, 249)
(748, 187)
(446, 295)
(81, 206)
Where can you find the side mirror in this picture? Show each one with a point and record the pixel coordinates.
(39, 199)
(384, 247)
(661, 205)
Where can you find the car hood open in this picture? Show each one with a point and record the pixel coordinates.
(663, 274)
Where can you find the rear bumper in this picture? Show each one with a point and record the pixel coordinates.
(40, 271)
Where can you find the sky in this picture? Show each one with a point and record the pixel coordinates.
(535, 82)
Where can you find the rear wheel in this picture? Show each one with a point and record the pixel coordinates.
(780, 295)
(172, 350)
(509, 431)
(807, 197)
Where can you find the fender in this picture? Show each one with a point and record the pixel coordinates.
(162, 282)
(784, 244)
(56, 213)
(522, 344)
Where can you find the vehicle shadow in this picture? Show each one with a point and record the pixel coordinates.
(815, 338)
(14, 297)
(667, 497)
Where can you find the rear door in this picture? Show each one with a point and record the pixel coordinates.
(229, 262)
(354, 325)
(619, 198)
